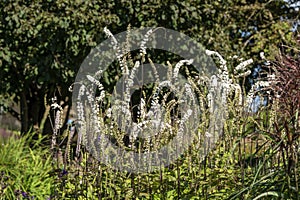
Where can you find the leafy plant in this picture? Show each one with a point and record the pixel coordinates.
(25, 170)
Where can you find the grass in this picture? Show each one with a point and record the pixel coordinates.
(25, 171)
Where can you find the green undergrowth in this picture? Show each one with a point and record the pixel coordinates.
(25, 169)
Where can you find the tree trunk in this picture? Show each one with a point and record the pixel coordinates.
(24, 113)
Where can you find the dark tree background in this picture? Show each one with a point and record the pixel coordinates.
(43, 42)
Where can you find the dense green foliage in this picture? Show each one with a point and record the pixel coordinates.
(42, 46)
(43, 42)
(25, 171)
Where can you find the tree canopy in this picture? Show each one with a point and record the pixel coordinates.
(43, 42)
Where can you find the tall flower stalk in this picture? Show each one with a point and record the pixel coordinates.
(286, 89)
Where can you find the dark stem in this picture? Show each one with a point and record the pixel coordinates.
(24, 113)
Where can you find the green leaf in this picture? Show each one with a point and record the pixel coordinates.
(271, 193)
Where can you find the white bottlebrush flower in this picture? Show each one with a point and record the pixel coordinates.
(116, 47)
(144, 41)
(98, 73)
(235, 57)
(259, 85)
(110, 35)
(214, 81)
(132, 75)
(222, 60)
(55, 106)
(165, 84)
(263, 83)
(271, 77)
(183, 121)
(156, 75)
(142, 109)
(262, 55)
(179, 64)
(108, 112)
(95, 81)
(81, 92)
(243, 74)
(226, 83)
(80, 113)
(238, 91)
(90, 98)
(189, 91)
(58, 121)
(242, 66)
(70, 89)
(134, 132)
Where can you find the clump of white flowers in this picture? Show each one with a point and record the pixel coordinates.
(57, 121)
(167, 113)
(261, 85)
(118, 50)
(158, 115)
(226, 82)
